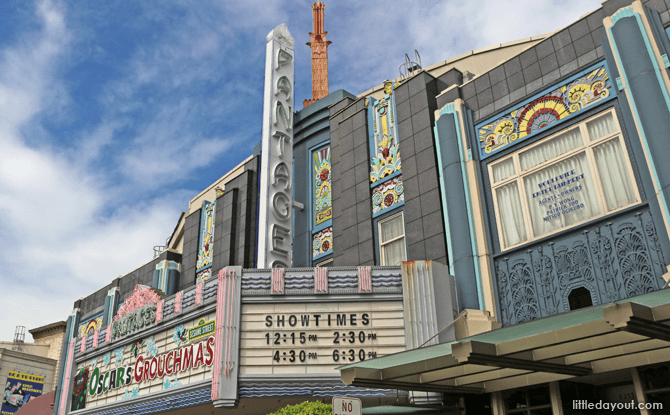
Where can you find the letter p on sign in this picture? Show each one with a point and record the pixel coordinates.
(346, 406)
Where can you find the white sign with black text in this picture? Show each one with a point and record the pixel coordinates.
(347, 406)
(276, 193)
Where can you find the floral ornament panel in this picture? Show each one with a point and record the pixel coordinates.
(323, 198)
(131, 394)
(203, 275)
(139, 298)
(206, 251)
(387, 195)
(106, 359)
(385, 157)
(152, 349)
(89, 327)
(322, 242)
(118, 356)
(590, 88)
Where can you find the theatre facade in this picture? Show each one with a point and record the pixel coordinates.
(488, 234)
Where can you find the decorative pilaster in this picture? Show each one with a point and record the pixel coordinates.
(177, 302)
(278, 281)
(364, 280)
(321, 280)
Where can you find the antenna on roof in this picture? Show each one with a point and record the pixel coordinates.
(19, 337)
(410, 68)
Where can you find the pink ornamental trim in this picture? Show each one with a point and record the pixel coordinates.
(320, 280)
(108, 335)
(83, 345)
(138, 299)
(66, 380)
(95, 338)
(177, 302)
(278, 280)
(364, 279)
(198, 293)
(159, 311)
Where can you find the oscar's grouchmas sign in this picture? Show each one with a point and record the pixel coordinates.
(94, 380)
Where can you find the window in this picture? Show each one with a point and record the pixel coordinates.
(392, 240)
(530, 401)
(569, 178)
(580, 297)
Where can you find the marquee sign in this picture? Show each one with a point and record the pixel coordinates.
(276, 194)
(317, 338)
(167, 359)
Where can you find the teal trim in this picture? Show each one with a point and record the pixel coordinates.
(661, 83)
(325, 254)
(466, 183)
(387, 178)
(621, 13)
(387, 210)
(445, 214)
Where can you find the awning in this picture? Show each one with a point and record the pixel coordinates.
(590, 341)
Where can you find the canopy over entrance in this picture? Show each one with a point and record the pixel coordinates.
(592, 341)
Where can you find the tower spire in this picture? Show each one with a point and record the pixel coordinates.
(319, 47)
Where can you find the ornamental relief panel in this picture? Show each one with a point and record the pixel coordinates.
(614, 259)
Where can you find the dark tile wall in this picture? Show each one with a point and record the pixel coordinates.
(562, 54)
(95, 303)
(190, 250)
(541, 66)
(235, 227)
(416, 105)
(353, 242)
(353, 228)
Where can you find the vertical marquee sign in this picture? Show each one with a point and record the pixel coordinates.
(276, 194)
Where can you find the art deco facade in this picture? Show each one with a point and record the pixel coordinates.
(534, 172)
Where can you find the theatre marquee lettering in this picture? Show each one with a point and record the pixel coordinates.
(342, 336)
(170, 358)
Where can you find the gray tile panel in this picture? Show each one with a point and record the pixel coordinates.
(544, 48)
(531, 73)
(500, 90)
(548, 64)
(497, 75)
(485, 98)
(528, 57)
(482, 83)
(512, 66)
(561, 39)
(566, 54)
(579, 29)
(584, 45)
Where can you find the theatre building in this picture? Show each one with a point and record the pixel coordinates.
(485, 235)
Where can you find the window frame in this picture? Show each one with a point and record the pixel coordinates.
(586, 148)
(382, 256)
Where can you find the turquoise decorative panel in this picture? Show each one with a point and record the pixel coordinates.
(384, 151)
(545, 110)
(323, 197)
(206, 250)
(387, 195)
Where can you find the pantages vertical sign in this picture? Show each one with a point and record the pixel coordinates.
(276, 194)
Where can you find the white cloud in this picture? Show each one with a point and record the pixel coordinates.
(56, 241)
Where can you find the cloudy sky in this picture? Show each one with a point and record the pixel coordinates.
(114, 114)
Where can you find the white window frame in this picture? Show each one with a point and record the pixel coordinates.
(587, 148)
(382, 244)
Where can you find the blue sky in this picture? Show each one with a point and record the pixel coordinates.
(114, 114)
